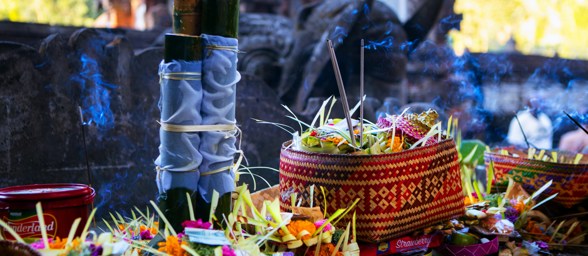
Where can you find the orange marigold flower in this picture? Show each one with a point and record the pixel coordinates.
(153, 230)
(58, 243)
(298, 226)
(325, 250)
(172, 246)
(520, 206)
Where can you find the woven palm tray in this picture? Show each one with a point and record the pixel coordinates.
(399, 192)
(570, 181)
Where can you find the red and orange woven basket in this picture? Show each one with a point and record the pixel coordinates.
(399, 192)
(569, 180)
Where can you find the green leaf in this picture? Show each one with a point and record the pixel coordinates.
(281, 126)
(320, 113)
(474, 149)
(489, 177)
(352, 111)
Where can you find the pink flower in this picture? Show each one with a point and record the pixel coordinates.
(146, 235)
(319, 223)
(384, 122)
(227, 251)
(39, 244)
(196, 224)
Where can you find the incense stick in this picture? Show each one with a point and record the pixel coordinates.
(576, 122)
(341, 90)
(361, 92)
(522, 131)
(82, 124)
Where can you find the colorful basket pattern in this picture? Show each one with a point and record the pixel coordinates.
(569, 180)
(490, 248)
(399, 192)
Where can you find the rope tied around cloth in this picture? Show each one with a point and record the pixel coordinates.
(223, 48)
(189, 76)
(200, 128)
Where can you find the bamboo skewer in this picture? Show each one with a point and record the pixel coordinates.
(82, 124)
(341, 91)
(361, 92)
(576, 122)
(522, 131)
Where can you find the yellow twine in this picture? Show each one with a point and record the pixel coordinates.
(223, 48)
(196, 128)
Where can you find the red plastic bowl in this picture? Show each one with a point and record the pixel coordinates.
(62, 203)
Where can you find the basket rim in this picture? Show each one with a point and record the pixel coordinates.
(286, 146)
(533, 161)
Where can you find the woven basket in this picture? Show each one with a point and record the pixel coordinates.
(569, 180)
(399, 192)
(267, 194)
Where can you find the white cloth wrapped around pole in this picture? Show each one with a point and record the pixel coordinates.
(199, 94)
(180, 104)
(219, 79)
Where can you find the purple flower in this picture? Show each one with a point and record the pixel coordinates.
(146, 235)
(227, 251)
(542, 245)
(96, 250)
(511, 214)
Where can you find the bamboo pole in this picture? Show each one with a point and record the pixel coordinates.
(220, 17)
(187, 17)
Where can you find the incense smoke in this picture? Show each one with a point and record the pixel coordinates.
(95, 94)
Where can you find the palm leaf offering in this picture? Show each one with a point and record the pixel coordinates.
(248, 231)
(391, 134)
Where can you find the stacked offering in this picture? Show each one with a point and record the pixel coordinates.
(403, 172)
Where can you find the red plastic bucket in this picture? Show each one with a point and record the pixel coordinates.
(62, 204)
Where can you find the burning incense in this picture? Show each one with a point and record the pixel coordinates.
(522, 131)
(576, 122)
(82, 124)
(341, 90)
(361, 92)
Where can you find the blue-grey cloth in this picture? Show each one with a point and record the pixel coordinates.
(186, 158)
(219, 79)
(180, 103)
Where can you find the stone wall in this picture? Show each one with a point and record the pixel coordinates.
(117, 88)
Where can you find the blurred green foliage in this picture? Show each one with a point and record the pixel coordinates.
(54, 12)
